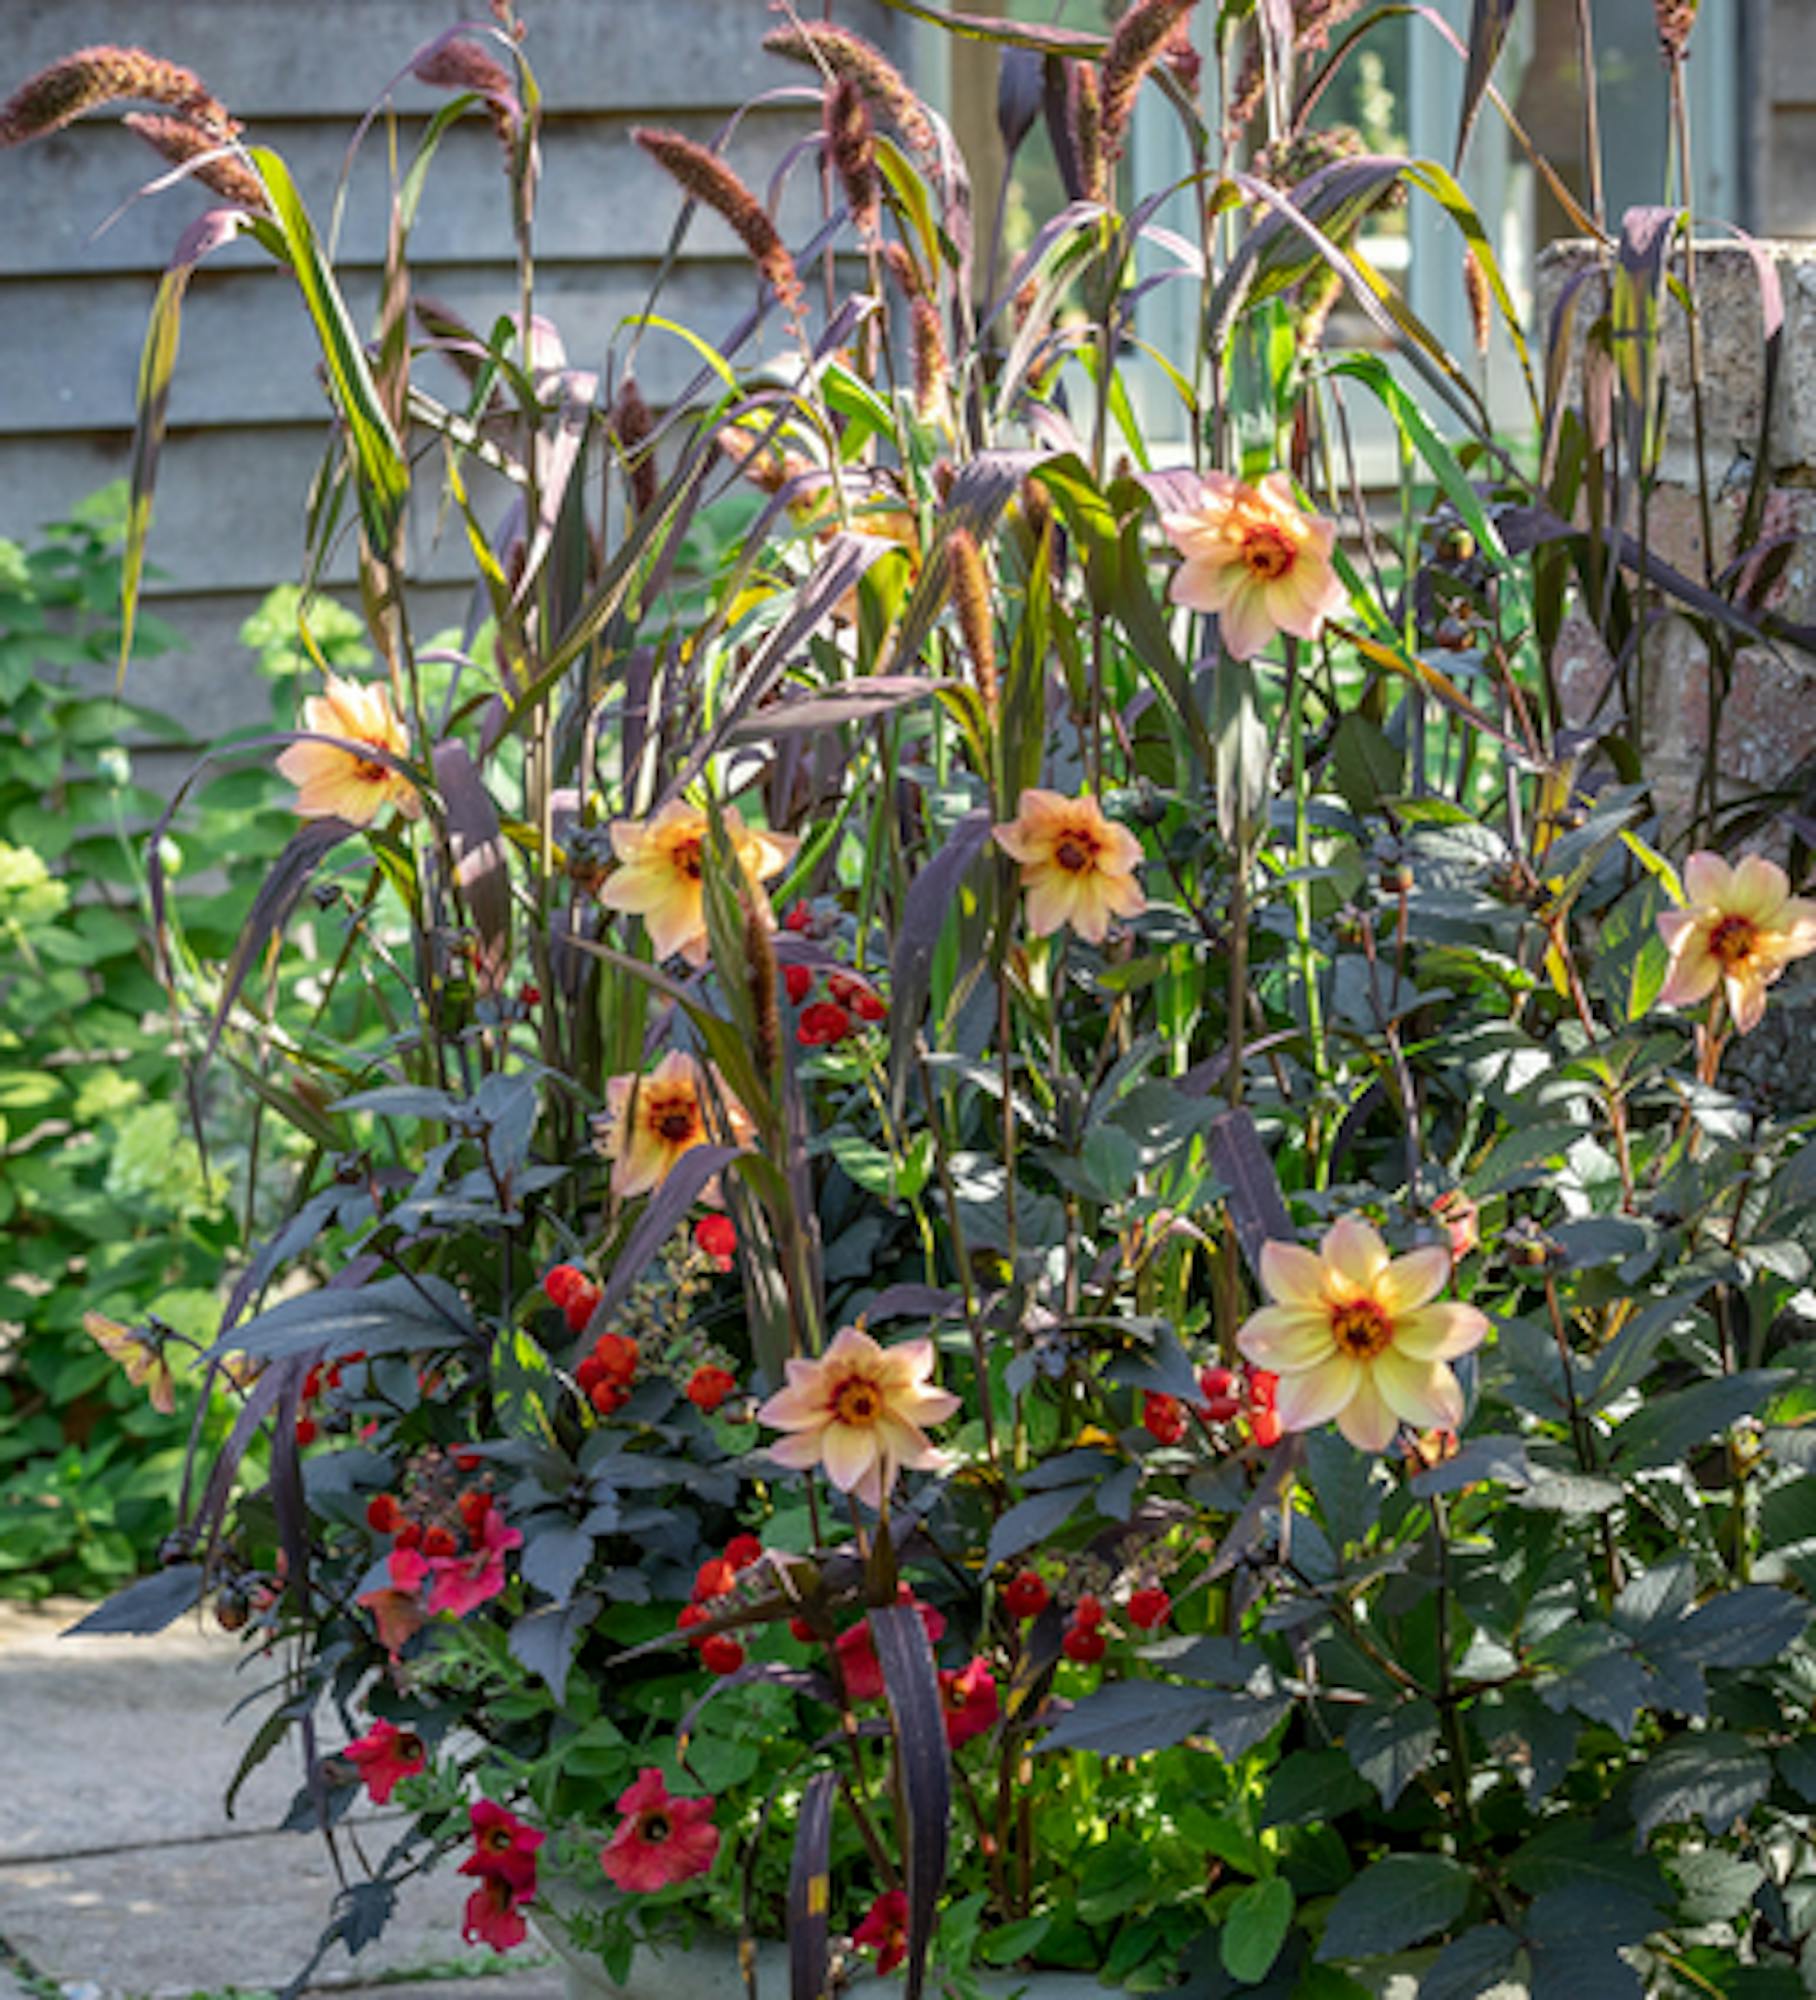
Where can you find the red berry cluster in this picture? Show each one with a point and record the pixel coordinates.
(321, 1382)
(1248, 1394)
(709, 1385)
(605, 1375)
(719, 1652)
(1085, 1641)
(849, 999)
(1026, 1595)
(418, 1529)
(716, 1238)
(569, 1288)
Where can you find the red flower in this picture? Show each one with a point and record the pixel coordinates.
(474, 1505)
(397, 1607)
(1149, 1606)
(606, 1397)
(1163, 1416)
(578, 1308)
(561, 1283)
(617, 1355)
(716, 1237)
(492, 1916)
(463, 1583)
(1087, 1612)
(1264, 1424)
(708, 1387)
(803, 1630)
(382, 1516)
(969, 1701)
(721, 1654)
(691, 1615)
(1221, 1398)
(438, 1541)
(504, 1848)
(885, 1930)
(384, 1755)
(715, 1577)
(307, 1431)
(858, 1663)
(530, 994)
(659, 1839)
(798, 979)
(800, 918)
(822, 1024)
(1264, 1427)
(852, 992)
(1263, 1385)
(743, 1550)
(1083, 1643)
(1027, 1595)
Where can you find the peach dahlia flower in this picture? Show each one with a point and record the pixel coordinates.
(1255, 558)
(858, 1411)
(660, 866)
(1077, 867)
(650, 1121)
(1739, 928)
(1360, 1336)
(340, 784)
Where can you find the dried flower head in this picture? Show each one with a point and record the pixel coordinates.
(707, 179)
(179, 142)
(1136, 45)
(1480, 299)
(634, 426)
(971, 601)
(104, 75)
(851, 146)
(464, 65)
(837, 52)
(899, 262)
(1675, 20)
(1313, 21)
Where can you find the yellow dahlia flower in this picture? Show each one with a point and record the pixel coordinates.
(650, 1121)
(859, 1412)
(1255, 558)
(1360, 1336)
(340, 784)
(660, 866)
(1077, 867)
(1740, 928)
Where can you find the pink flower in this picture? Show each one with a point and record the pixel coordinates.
(330, 781)
(397, 1611)
(1738, 929)
(1255, 558)
(492, 1916)
(885, 1930)
(969, 1699)
(383, 1756)
(660, 1839)
(858, 1663)
(504, 1847)
(463, 1583)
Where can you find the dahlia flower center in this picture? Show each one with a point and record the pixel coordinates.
(1732, 940)
(655, 1828)
(673, 1119)
(855, 1401)
(1361, 1329)
(686, 857)
(1267, 552)
(370, 771)
(1076, 850)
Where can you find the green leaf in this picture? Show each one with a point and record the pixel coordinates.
(1391, 1747)
(1312, 1785)
(1469, 1965)
(1716, 1778)
(1256, 1928)
(1396, 1902)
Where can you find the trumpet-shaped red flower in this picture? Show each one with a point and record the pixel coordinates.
(504, 1847)
(969, 1701)
(384, 1756)
(885, 1930)
(659, 1839)
(492, 1916)
(463, 1583)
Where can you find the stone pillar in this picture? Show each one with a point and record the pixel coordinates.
(1766, 726)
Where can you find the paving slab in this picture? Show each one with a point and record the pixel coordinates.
(211, 1914)
(121, 1742)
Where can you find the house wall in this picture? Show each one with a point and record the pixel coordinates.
(247, 412)
(1786, 153)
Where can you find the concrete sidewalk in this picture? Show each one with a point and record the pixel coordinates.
(120, 1874)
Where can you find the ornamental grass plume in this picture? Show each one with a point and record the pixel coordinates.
(1077, 867)
(971, 601)
(179, 142)
(851, 146)
(837, 52)
(858, 1412)
(463, 65)
(705, 178)
(1739, 928)
(1255, 558)
(1359, 1336)
(1085, 102)
(634, 426)
(1137, 43)
(1313, 21)
(927, 346)
(106, 74)
(1675, 20)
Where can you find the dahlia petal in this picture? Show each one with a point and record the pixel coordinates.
(1292, 1274)
(1286, 1339)
(1693, 974)
(1706, 879)
(1424, 1394)
(1759, 889)
(799, 1451)
(1201, 586)
(1413, 1280)
(1439, 1332)
(1746, 999)
(1243, 622)
(1315, 1395)
(798, 1404)
(1354, 1249)
(849, 1454)
(1365, 1419)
